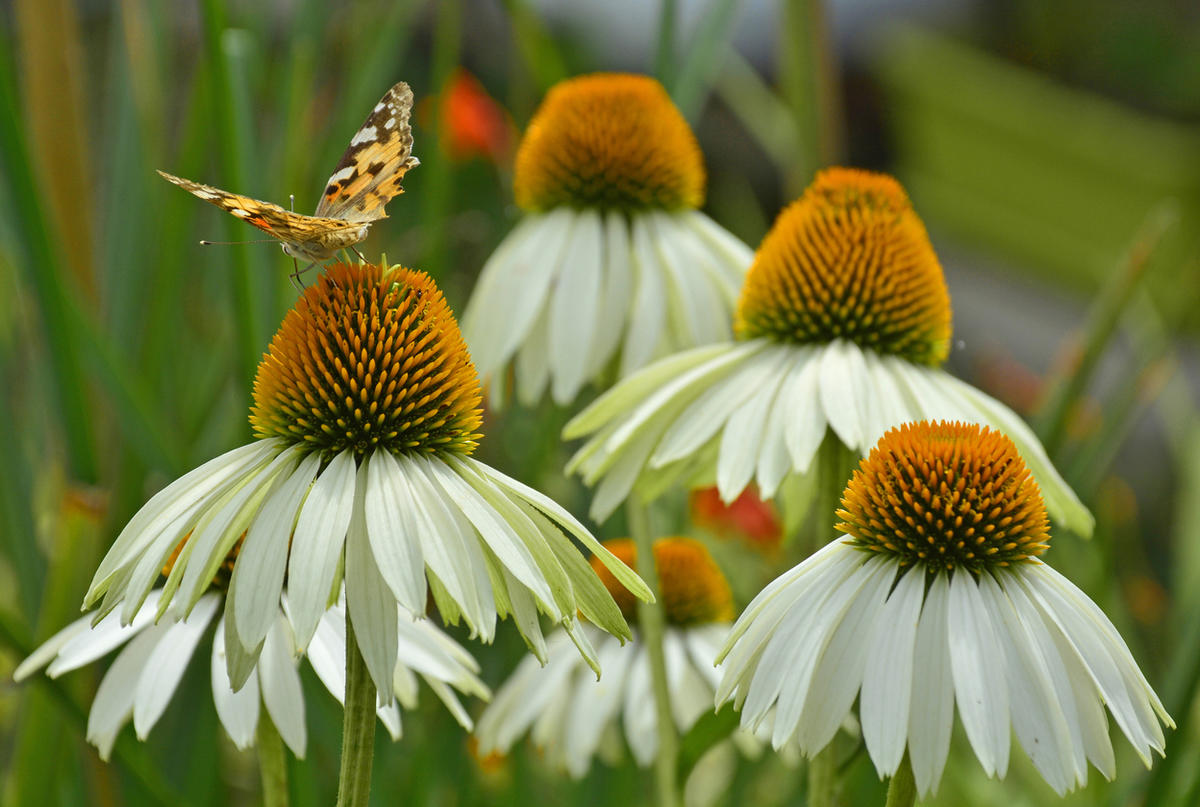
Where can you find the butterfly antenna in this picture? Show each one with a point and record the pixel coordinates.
(361, 259)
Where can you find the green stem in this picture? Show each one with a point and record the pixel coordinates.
(651, 625)
(822, 778)
(902, 790)
(272, 764)
(358, 727)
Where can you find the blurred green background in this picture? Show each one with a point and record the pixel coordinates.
(1053, 150)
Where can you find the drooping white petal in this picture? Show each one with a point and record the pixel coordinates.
(513, 287)
(616, 295)
(574, 307)
(742, 437)
(737, 256)
(214, 538)
(888, 675)
(258, 574)
(237, 711)
(805, 423)
(49, 649)
(645, 329)
(96, 642)
(371, 604)
(281, 691)
(114, 699)
(532, 364)
(979, 686)
(639, 716)
(931, 718)
(698, 312)
(166, 664)
(591, 714)
(170, 502)
(841, 363)
(392, 531)
(317, 544)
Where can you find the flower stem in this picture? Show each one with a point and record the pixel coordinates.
(902, 790)
(358, 727)
(272, 764)
(651, 625)
(822, 778)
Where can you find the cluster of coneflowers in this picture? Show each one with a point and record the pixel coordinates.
(358, 508)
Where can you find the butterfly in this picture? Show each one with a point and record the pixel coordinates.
(366, 179)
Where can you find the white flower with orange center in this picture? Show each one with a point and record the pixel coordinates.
(366, 409)
(935, 597)
(572, 717)
(841, 326)
(613, 265)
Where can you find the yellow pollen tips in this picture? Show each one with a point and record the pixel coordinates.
(945, 495)
(224, 570)
(610, 141)
(369, 358)
(691, 587)
(849, 260)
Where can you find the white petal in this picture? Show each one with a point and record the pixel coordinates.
(370, 602)
(258, 574)
(742, 438)
(617, 294)
(170, 502)
(931, 718)
(841, 365)
(512, 288)
(317, 544)
(165, 666)
(645, 331)
(640, 716)
(696, 308)
(737, 257)
(705, 415)
(327, 652)
(214, 537)
(495, 530)
(805, 424)
(574, 307)
(532, 366)
(979, 685)
(281, 691)
(100, 640)
(113, 703)
(237, 711)
(449, 543)
(393, 533)
(590, 715)
(49, 649)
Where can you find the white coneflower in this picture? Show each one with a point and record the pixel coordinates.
(934, 597)
(142, 680)
(841, 325)
(365, 409)
(573, 717)
(612, 258)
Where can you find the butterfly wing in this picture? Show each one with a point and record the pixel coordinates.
(272, 219)
(380, 153)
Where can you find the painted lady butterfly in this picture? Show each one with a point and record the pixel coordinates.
(366, 179)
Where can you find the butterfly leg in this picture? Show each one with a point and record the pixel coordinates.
(361, 259)
(295, 275)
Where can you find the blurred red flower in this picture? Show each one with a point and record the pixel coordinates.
(747, 516)
(470, 122)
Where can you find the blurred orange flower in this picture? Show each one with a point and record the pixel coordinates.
(470, 122)
(747, 516)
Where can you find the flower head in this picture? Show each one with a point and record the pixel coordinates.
(569, 712)
(936, 596)
(609, 141)
(366, 409)
(612, 265)
(849, 260)
(841, 325)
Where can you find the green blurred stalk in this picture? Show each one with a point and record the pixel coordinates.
(664, 58)
(536, 46)
(41, 263)
(358, 727)
(229, 109)
(902, 789)
(704, 57)
(759, 110)
(1066, 389)
(808, 81)
(652, 627)
(272, 762)
(710, 729)
(436, 184)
